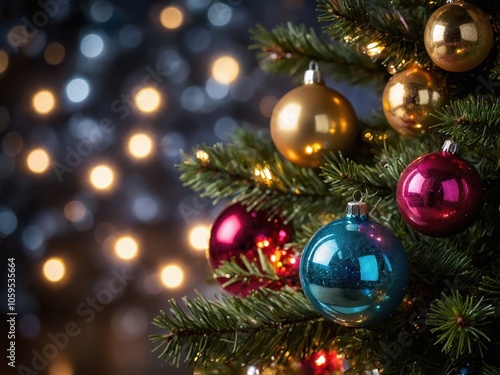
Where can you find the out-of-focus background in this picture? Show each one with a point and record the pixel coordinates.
(97, 100)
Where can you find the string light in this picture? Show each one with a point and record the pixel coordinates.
(54, 53)
(38, 160)
(140, 145)
(75, 211)
(126, 248)
(44, 101)
(199, 237)
(54, 269)
(172, 276)
(102, 177)
(374, 49)
(202, 155)
(148, 99)
(61, 368)
(225, 70)
(171, 17)
(4, 61)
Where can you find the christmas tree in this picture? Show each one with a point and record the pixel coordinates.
(405, 282)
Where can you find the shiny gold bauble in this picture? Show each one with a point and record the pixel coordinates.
(458, 37)
(409, 99)
(310, 121)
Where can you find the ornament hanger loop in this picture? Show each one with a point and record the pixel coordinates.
(313, 75)
(313, 65)
(359, 194)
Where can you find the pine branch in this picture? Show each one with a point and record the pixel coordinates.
(244, 271)
(381, 33)
(289, 49)
(250, 171)
(472, 121)
(459, 323)
(264, 324)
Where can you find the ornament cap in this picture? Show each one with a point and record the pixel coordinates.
(450, 146)
(313, 75)
(357, 209)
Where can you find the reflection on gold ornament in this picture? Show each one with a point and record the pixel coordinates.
(312, 120)
(458, 37)
(409, 99)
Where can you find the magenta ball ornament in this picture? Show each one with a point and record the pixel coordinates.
(440, 194)
(237, 232)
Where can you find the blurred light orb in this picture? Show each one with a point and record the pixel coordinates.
(38, 160)
(145, 208)
(171, 17)
(101, 11)
(197, 39)
(44, 101)
(224, 128)
(8, 221)
(54, 269)
(4, 61)
(75, 211)
(172, 143)
(199, 237)
(267, 104)
(12, 144)
(77, 90)
(54, 53)
(32, 237)
(130, 36)
(219, 14)
(225, 69)
(140, 145)
(126, 248)
(130, 323)
(216, 90)
(92, 45)
(193, 98)
(172, 276)
(61, 368)
(102, 177)
(148, 99)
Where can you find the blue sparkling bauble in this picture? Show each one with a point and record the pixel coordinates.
(354, 270)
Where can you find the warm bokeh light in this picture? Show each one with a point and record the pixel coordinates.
(140, 145)
(148, 99)
(75, 211)
(54, 270)
(61, 368)
(171, 17)
(44, 101)
(199, 237)
(102, 177)
(38, 160)
(172, 276)
(4, 61)
(126, 248)
(225, 69)
(202, 155)
(54, 53)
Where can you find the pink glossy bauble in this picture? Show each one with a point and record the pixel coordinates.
(439, 194)
(236, 232)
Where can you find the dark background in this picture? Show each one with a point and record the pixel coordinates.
(147, 200)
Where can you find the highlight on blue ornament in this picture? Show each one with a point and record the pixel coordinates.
(354, 270)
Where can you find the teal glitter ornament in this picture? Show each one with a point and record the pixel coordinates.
(353, 270)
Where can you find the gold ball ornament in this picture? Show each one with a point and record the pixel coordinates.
(409, 99)
(458, 37)
(313, 120)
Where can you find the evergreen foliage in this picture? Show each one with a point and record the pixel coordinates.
(450, 314)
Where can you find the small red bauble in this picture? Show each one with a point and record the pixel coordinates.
(440, 194)
(237, 232)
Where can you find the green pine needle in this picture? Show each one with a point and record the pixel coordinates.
(265, 324)
(460, 323)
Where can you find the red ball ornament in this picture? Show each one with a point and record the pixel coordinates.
(440, 194)
(237, 232)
